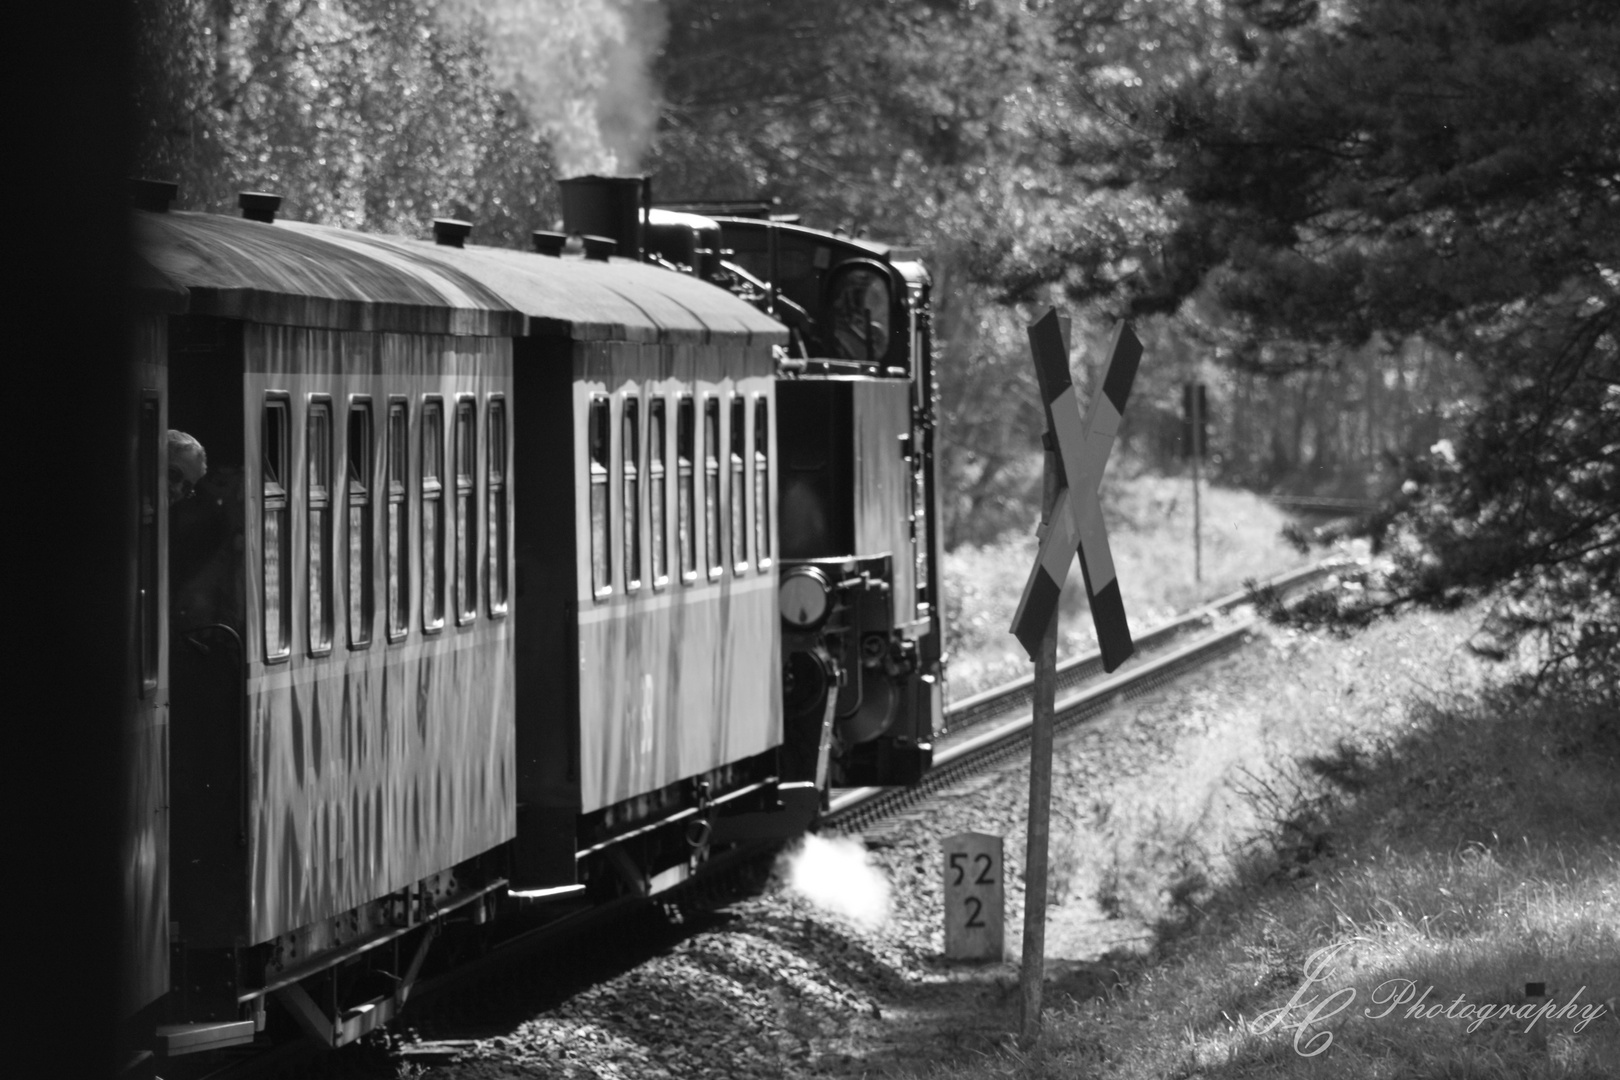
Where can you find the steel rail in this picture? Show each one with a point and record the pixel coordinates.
(1076, 670)
(1003, 738)
(1005, 711)
(857, 808)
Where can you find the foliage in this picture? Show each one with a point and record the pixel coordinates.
(372, 114)
(1450, 170)
(950, 125)
(579, 68)
(1150, 532)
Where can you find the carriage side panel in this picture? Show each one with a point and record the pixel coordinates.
(679, 676)
(388, 754)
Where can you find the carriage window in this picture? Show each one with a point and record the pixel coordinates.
(762, 480)
(739, 488)
(601, 528)
(630, 450)
(273, 493)
(655, 492)
(466, 510)
(497, 506)
(398, 523)
(360, 585)
(711, 484)
(685, 491)
(147, 598)
(432, 514)
(318, 511)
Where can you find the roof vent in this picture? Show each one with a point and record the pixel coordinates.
(599, 247)
(451, 232)
(259, 205)
(153, 195)
(550, 243)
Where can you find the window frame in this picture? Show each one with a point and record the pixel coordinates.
(397, 537)
(657, 491)
(598, 473)
(686, 486)
(496, 528)
(629, 474)
(318, 500)
(464, 443)
(430, 493)
(764, 557)
(359, 493)
(737, 484)
(714, 553)
(275, 417)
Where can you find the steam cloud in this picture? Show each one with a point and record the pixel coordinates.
(581, 69)
(836, 876)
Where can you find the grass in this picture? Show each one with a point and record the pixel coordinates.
(1150, 528)
(1464, 839)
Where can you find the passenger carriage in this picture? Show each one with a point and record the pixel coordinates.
(476, 603)
(342, 736)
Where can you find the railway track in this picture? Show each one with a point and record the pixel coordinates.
(991, 727)
(982, 731)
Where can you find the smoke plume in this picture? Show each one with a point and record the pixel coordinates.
(581, 69)
(837, 876)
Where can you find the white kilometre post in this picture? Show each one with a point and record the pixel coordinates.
(1071, 519)
(975, 898)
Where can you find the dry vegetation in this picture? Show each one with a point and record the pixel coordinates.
(1460, 834)
(1150, 529)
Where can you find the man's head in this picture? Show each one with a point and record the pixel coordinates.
(187, 465)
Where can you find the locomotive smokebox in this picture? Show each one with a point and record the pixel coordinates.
(611, 206)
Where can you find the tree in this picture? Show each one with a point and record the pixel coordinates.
(942, 123)
(373, 114)
(1450, 169)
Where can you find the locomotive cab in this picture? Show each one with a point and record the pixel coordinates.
(860, 546)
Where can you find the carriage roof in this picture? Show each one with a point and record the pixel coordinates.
(292, 273)
(268, 273)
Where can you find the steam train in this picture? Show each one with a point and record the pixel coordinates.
(515, 580)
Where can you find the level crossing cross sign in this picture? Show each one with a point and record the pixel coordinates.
(1076, 520)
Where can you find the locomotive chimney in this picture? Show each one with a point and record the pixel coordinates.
(451, 232)
(259, 205)
(153, 195)
(610, 206)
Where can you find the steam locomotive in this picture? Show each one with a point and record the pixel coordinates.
(515, 580)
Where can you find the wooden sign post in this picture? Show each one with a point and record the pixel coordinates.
(975, 913)
(1071, 520)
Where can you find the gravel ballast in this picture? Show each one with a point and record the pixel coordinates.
(1147, 811)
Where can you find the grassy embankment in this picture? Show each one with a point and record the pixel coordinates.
(1150, 529)
(1462, 838)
